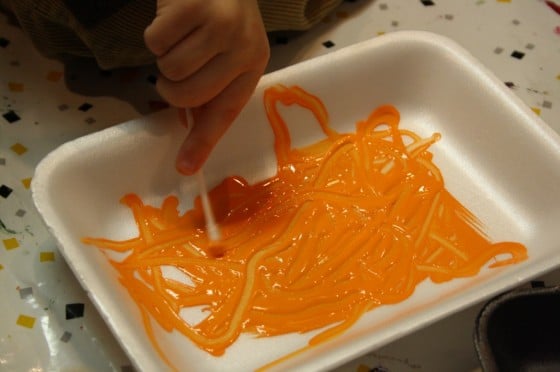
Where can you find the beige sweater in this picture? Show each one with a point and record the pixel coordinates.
(115, 38)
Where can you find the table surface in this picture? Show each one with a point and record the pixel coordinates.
(47, 321)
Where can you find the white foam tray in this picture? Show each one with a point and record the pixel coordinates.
(497, 157)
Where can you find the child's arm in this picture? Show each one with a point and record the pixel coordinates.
(211, 54)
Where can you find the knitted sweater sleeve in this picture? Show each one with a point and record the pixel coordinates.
(294, 15)
(111, 31)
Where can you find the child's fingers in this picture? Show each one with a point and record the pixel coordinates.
(212, 120)
(174, 20)
(188, 55)
(204, 85)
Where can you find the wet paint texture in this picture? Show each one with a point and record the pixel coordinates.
(349, 223)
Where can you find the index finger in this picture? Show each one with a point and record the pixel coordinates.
(212, 120)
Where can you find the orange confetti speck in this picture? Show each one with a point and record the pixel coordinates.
(558, 77)
(16, 87)
(1, 266)
(54, 76)
(25, 321)
(26, 182)
(46, 256)
(379, 33)
(504, 1)
(18, 148)
(11, 243)
(536, 110)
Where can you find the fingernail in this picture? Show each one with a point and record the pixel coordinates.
(185, 167)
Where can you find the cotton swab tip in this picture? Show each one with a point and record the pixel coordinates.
(211, 227)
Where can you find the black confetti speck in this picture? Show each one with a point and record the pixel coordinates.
(281, 40)
(152, 79)
(74, 311)
(11, 116)
(509, 84)
(5, 191)
(85, 106)
(328, 44)
(427, 2)
(4, 42)
(517, 54)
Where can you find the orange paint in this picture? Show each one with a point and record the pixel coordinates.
(349, 223)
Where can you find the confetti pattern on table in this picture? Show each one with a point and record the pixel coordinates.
(46, 256)
(25, 293)
(10, 243)
(44, 104)
(5, 191)
(11, 117)
(74, 311)
(25, 321)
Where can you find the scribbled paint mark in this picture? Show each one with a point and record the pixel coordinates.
(5, 229)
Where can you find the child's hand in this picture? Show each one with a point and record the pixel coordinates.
(211, 54)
